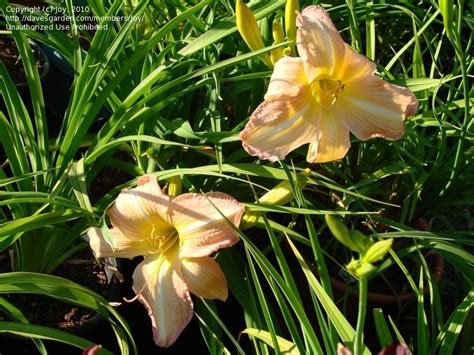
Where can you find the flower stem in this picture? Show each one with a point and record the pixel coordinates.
(361, 316)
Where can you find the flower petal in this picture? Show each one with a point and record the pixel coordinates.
(204, 278)
(354, 66)
(164, 294)
(287, 73)
(123, 247)
(370, 107)
(333, 140)
(280, 125)
(141, 211)
(319, 44)
(201, 227)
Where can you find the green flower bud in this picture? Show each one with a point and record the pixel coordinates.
(360, 268)
(378, 251)
(340, 231)
(361, 241)
(353, 266)
(365, 270)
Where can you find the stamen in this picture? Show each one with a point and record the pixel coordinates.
(325, 91)
(160, 242)
(136, 295)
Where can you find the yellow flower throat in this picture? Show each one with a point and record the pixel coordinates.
(160, 242)
(325, 91)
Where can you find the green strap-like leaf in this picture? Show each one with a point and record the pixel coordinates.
(286, 346)
(70, 292)
(343, 327)
(41, 332)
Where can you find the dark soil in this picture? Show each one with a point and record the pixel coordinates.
(11, 58)
(109, 177)
(38, 309)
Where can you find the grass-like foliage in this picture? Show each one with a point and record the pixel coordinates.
(172, 93)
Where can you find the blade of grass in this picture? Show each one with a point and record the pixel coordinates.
(421, 320)
(381, 327)
(448, 336)
(370, 31)
(213, 342)
(36, 91)
(266, 310)
(68, 291)
(287, 347)
(77, 178)
(41, 332)
(11, 231)
(270, 273)
(224, 327)
(15, 314)
(343, 327)
(396, 331)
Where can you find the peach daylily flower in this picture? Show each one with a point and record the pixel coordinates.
(321, 96)
(176, 235)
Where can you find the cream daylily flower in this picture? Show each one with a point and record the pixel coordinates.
(321, 96)
(176, 235)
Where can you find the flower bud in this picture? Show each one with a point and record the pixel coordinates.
(287, 51)
(280, 195)
(277, 31)
(174, 186)
(361, 241)
(340, 231)
(353, 266)
(278, 37)
(249, 219)
(292, 6)
(365, 270)
(378, 251)
(248, 29)
(446, 7)
(360, 268)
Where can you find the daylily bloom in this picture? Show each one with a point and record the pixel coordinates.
(321, 96)
(176, 235)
